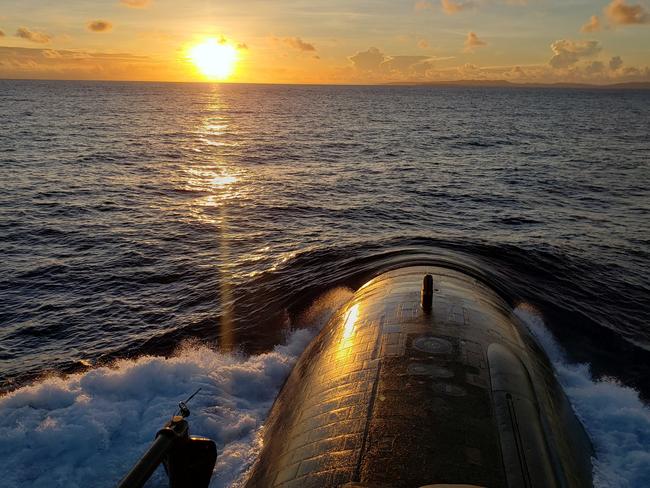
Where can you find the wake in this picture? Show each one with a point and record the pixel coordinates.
(614, 416)
(89, 429)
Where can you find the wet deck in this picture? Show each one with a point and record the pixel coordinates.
(391, 395)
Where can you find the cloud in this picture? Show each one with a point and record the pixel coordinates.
(615, 63)
(135, 3)
(45, 63)
(592, 25)
(414, 65)
(369, 60)
(242, 45)
(635, 73)
(567, 53)
(373, 61)
(595, 67)
(451, 7)
(620, 13)
(99, 26)
(472, 42)
(2, 34)
(44, 56)
(296, 43)
(33, 36)
(423, 5)
(423, 44)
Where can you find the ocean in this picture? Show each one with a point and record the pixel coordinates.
(157, 237)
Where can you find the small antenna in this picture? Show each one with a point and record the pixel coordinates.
(183, 410)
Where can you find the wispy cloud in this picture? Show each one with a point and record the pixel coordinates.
(99, 26)
(2, 34)
(620, 13)
(423, 44)
(33, 36)
(451, 7)
(36, 53)
(22, 62)
(592, 25)
(472, 42)
(296, 43)
(135, 3)
(567, 52)
(423, 5)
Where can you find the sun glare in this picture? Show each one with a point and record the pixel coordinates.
(215, 59)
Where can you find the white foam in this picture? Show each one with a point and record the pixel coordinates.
(88, 429)
(615, 417)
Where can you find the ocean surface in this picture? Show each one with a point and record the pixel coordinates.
(157, 238)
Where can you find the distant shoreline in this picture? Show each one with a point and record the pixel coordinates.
(632, 85)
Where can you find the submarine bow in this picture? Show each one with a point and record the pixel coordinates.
(413, 385)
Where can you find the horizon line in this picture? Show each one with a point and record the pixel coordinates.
(489, 83)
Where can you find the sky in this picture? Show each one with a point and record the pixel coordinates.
(329, 41)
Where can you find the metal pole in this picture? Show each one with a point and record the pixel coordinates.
(165, 439)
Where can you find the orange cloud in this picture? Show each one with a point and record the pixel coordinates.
(369, 60)
(592, 25)
(472, 42)
(99, 26)
(296, 43)
(39, 63)
(379, 65)
(2, 34)
(620, 13)
(615, 63)
(423, 44)
(422, 5)
(451, 7)
(595, 68)
(33, 36)
(407, 65)
(567, 53)
(135, 3)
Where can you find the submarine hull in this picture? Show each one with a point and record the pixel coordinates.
(391, 394)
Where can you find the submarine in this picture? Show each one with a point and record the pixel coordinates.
(425, 379)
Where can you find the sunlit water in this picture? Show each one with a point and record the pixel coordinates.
(137, 219)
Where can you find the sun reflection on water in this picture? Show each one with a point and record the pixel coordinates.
(223, 180)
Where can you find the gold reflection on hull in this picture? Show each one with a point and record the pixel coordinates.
(346, 344)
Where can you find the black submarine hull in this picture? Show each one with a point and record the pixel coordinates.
(391, 394)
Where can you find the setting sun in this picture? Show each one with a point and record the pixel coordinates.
(215, 59)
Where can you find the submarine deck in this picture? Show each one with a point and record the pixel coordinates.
(390, 394)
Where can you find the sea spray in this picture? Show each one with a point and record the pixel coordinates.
(88, 429)
(615, 417)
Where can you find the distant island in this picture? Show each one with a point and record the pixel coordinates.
(633, 85)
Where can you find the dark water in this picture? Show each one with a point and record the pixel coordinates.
(135, 216)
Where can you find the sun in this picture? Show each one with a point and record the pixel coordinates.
(215, 59)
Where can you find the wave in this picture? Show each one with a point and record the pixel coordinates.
(616, 419)
(88, 429)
